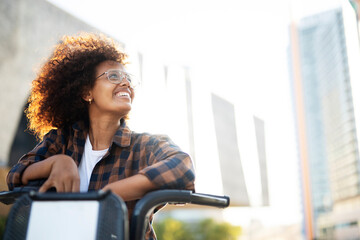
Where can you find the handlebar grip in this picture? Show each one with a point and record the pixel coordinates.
(210, 200)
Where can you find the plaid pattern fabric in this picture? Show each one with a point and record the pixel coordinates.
(130, 153)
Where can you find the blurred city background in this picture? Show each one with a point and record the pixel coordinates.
(264, 95)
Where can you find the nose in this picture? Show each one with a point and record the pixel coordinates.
(124, 82)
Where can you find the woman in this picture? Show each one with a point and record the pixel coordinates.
(78, 106)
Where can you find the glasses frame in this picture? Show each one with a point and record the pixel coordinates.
(126, 75)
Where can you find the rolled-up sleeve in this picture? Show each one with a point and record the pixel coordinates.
(168, 166)
(48, 147)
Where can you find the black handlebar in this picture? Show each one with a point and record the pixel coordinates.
(9, 197)
(143, 208)
(210, 200)
(146, 205)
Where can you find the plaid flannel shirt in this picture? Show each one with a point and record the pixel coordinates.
(130, 153)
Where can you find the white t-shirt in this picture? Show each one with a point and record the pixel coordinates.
(88, 161)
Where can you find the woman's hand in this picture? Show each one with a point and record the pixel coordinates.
(64, 175)
(61, 173)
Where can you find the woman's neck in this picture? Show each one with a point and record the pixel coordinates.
(102, 131)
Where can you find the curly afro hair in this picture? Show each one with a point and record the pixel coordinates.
(56, 95)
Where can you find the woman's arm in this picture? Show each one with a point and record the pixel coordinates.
(168, 166)
(161, 165)
(60, 170)
(131, 188)
(46, 161)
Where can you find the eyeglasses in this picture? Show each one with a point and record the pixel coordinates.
(117, 76)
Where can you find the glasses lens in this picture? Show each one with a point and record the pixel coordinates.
(127, 76)
(117, 76)
(114, 76)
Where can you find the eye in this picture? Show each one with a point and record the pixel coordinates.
(114, 76)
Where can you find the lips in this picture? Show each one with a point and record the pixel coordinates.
(122, 94)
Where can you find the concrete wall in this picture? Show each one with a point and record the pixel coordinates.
(28, 32)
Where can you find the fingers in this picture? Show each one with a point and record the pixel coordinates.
(46, 186)
(67, 186)
(61, 188)
(76, 186)
(63, 176)
(73, 186)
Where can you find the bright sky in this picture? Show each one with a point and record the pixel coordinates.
(241, 46)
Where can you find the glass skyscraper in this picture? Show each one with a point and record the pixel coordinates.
(323, 90)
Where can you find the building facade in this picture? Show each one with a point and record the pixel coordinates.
(325, 57)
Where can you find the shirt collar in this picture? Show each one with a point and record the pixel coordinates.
(122, 136)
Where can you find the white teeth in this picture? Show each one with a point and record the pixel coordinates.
(119, 94)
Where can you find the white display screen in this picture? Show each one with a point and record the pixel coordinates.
(63, 220)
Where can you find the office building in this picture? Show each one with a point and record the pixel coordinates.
(325, 58)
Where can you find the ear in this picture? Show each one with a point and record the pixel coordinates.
(87, 96)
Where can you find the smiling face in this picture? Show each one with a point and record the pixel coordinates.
(107, 97)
